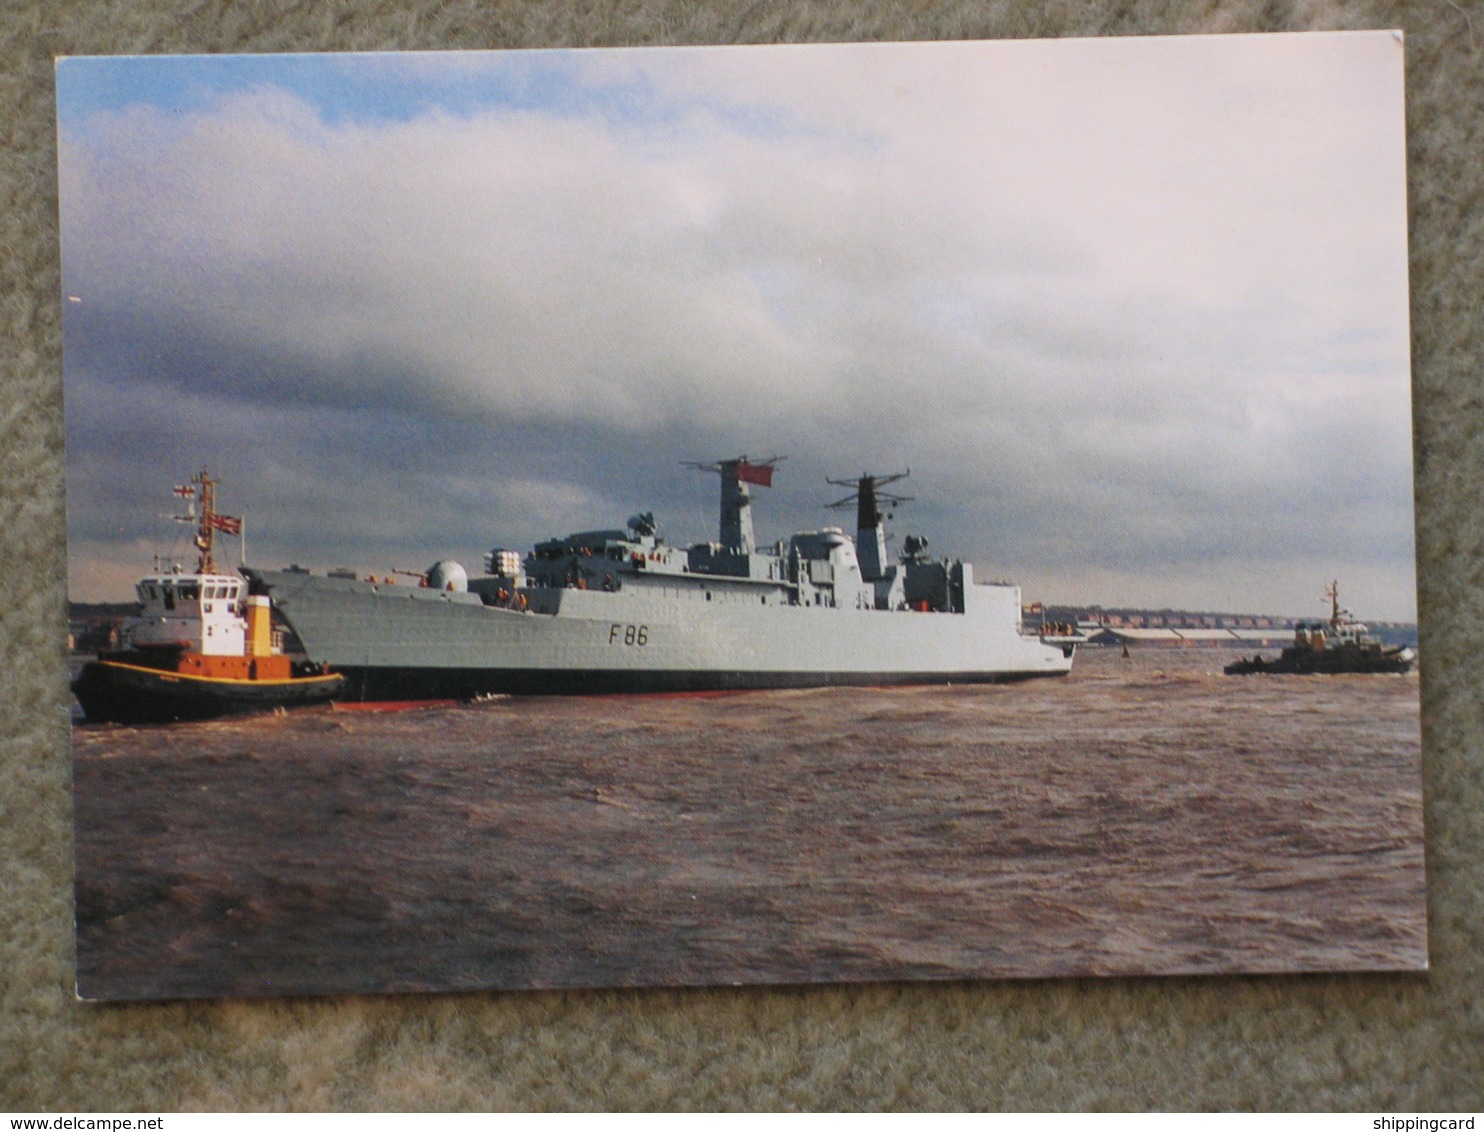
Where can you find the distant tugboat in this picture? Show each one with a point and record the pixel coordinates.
(1338, 646)
(202, 646)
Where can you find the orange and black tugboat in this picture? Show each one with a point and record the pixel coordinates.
(203, 645)
(1339, 646)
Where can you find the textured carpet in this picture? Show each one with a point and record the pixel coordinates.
(1384, 1043)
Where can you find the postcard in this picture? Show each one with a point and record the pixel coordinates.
(710, 516)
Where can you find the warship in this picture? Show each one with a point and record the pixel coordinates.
(1338, 646)
(202, 646)
(623, 611)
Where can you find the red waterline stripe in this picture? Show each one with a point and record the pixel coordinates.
(391, 705)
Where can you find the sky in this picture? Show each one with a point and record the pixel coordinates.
(1132, 311)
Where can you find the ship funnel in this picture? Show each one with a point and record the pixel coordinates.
(870, 534)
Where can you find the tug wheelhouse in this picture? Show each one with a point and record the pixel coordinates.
(201, 612)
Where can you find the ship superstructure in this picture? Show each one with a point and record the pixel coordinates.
(621, 610)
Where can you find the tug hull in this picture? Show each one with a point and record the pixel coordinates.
(1335, 662)
(114, 690)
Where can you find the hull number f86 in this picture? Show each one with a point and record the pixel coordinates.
(628, 634)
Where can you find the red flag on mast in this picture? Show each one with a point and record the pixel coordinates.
(227, 524)
(760, 474)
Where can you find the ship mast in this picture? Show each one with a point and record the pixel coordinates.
(206, 530)
(870, 535)
(736, 501)
(209, 522)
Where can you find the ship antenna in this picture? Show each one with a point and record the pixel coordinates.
(867, 496)
(213, 521)
(870, 536)
(206, 531)
(736, 502)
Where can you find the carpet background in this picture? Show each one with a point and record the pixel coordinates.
(1353, 1043)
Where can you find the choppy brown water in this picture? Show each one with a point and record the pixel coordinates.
(1143, 816)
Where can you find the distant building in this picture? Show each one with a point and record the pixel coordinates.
(97, 627)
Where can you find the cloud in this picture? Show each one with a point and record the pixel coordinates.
(1138, 302)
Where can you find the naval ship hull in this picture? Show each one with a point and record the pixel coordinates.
(401, 643)
(432, 685)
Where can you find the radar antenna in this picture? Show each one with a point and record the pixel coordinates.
(868, 496)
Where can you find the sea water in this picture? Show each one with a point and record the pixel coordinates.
(1146, 815)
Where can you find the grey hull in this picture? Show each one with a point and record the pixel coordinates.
(409, 643)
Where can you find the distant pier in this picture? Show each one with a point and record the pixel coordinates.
(1130, 627)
